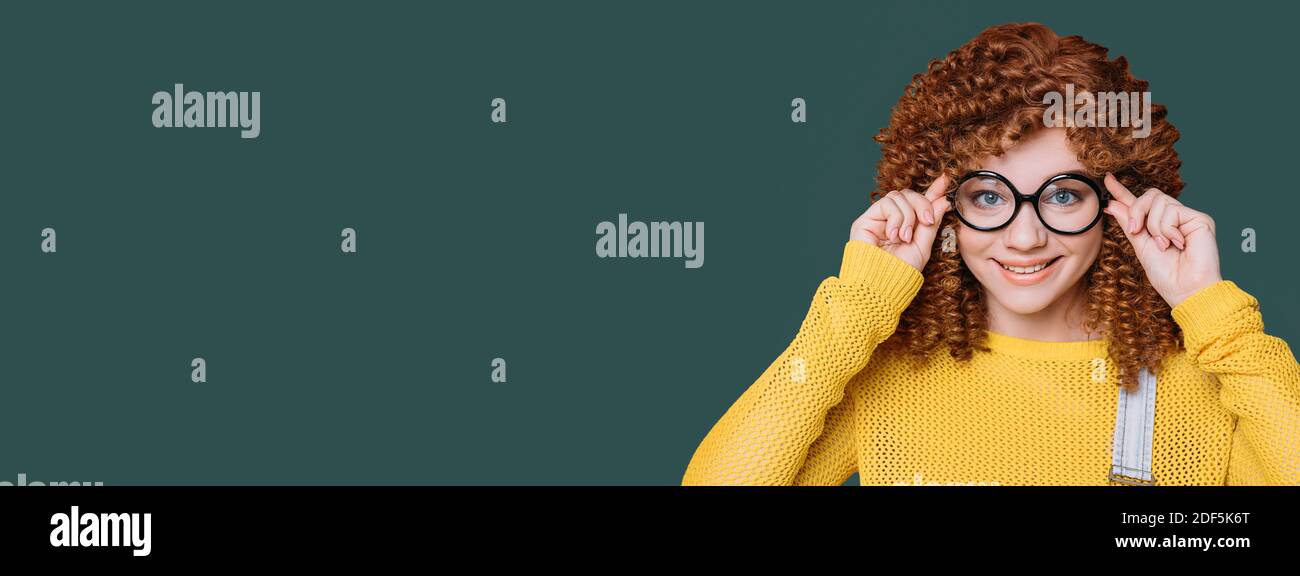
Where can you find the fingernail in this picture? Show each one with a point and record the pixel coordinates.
(929, 217)
(1178, 243)
(1162, 243)
(893, 233)
(1132, 226)
(907, 234)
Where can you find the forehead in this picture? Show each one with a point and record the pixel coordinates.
(1035, 158)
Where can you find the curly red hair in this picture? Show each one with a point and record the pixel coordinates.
(963, 108)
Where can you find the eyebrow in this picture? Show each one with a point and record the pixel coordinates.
(1075, 171)
(1053, 174)
(1080, 172)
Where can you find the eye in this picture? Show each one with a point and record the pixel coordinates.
(987, 198)
(1062, 197)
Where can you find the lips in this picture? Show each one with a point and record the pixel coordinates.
(1033, 273)
(1026, 266)
(1026, 263)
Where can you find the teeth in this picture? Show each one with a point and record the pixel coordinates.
(1026, 269)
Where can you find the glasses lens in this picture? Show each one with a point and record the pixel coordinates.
(985, 201)
(1069, 205)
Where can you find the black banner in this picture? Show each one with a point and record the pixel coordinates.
(324, 524)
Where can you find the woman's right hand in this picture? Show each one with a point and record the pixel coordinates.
(905, 223)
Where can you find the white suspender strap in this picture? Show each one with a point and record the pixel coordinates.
(1135, 419)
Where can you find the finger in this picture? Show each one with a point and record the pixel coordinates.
(879, 208)
(872, 235)
(893, 217)
(1169, 224)
(1138, 211)
(925, 235)
(1118, 191)
(937, 188)
(868, 228)
(940, 207)
(1154, 217)
(920, 205)
(1119, 212)
(909, 214)
(1190, 221)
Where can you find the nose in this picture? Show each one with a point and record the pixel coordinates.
(1026, 232)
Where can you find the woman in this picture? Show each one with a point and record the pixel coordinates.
(980, 334)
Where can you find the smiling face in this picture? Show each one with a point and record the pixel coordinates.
(1025, 243)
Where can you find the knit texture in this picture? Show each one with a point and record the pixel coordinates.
(1027, 412)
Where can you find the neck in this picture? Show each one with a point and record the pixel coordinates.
(1060, 321)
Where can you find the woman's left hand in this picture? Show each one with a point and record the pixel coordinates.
(1174, 243)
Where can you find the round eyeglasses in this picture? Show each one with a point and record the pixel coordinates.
(1068, 203)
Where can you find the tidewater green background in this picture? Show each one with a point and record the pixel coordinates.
(477, 240)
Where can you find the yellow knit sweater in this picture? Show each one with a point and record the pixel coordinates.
(1027, 412)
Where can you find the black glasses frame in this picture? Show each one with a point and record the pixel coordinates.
(1102, 197)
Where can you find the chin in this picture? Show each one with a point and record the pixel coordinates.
(1018, 305)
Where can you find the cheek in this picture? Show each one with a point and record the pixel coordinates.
(1083, 254)
(1086, 247)
(974, 249)
(967, 241)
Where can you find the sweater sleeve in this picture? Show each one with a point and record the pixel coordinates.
(1259, 381)
(794, 424)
